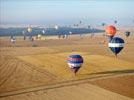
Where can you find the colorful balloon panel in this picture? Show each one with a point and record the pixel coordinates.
(116, 45)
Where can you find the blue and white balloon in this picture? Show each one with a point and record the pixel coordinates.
(75, 62)
(13, 40)
(116, 45)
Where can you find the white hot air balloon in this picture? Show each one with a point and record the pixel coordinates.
(56, 27)
(43, 31)
(29, 29)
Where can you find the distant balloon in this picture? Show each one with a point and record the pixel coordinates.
(56, 27)
(13, 40)
(75, 62)
(115, 21)
(89, 26)
(76, 25)
(43, 31)
(103, 24)
(23, 32)
(116, 45)
(70, 32)
(29, 29)
(39, 36)
(111, 31)
(127, 33)
(80, 22)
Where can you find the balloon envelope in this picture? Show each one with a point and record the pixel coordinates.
(13, 40)
(127, 33)
(70, 32)
(75, 62)
(43, 31)
(110, 30)
(56, 27)
(115, 21)
(116, 45)
(29, 29)
(39, 36)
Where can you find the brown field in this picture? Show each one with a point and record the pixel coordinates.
(38, 70)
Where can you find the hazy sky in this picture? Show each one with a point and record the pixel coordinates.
(66, 12)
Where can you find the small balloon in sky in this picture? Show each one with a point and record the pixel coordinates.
(43, 31)
(56, 27)
(23, 32)
(103, 24)
(29, 29)
(115, 21)
(13, 40)
(111, 31)
(127, 33)
(70, 32)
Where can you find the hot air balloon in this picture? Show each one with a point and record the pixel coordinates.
(89, 26)
(80, 22)
(56, 27)
(127, 33)
(103, 24)
(39, 36)
(43, 31)
(75, 62)
(13, 40)
(115, 21)
(29, 29)
(111, 31)
(23, 32)
(70, 32)
(116, 45)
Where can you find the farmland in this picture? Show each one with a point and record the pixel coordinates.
(40, 72)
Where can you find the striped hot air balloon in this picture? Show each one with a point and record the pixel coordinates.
(116, 45)
(75, 62)
(111, 31)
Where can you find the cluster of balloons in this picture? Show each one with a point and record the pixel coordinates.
(29, 30)
(116, 44)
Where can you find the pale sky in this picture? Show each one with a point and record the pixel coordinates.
(66, 12)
